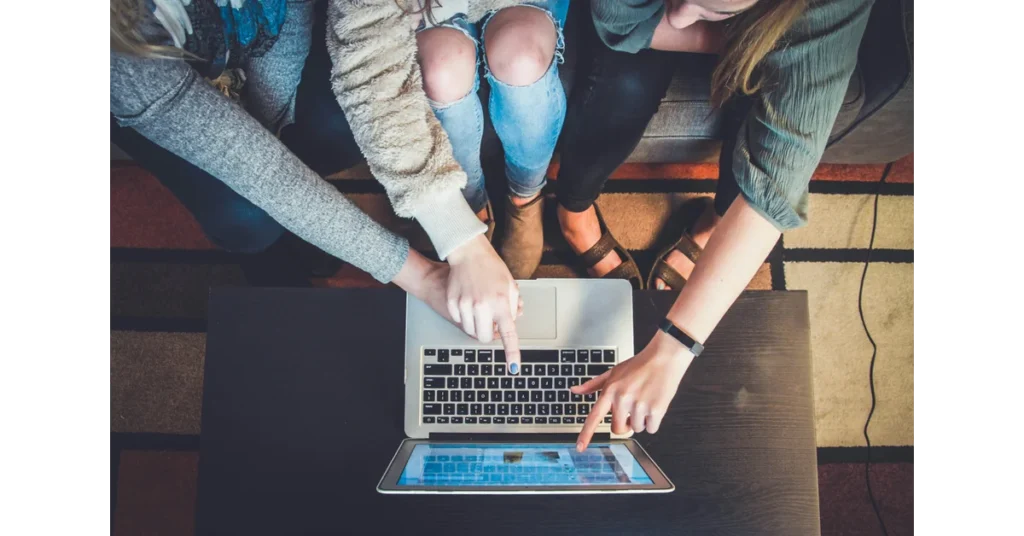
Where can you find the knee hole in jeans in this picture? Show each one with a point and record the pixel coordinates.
(448, 63)
(520, 45)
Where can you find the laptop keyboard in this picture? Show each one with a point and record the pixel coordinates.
(473, 387)
(487, 470)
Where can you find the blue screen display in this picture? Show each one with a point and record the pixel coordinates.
(528, 464)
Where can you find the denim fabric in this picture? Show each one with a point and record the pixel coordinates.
(527, 119)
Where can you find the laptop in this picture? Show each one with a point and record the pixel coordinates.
(475, 429)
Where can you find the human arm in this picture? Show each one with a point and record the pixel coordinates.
(778, 147)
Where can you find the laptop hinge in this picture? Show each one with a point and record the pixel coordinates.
(517, 438)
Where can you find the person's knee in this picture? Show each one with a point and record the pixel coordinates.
(520, 45)
(241, 227)
(448, 63)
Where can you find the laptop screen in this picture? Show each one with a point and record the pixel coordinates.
(524, 464)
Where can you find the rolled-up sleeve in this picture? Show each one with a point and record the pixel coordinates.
(781, 141)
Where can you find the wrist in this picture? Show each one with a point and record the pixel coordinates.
(667, 347)
(413, 273)
(468, 250)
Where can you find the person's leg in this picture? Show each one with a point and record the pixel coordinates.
(522, 50)
(448, 61)
(616, 95)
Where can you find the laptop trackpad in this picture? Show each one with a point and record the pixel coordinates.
(540, 313)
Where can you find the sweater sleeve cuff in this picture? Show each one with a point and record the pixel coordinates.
(449, 222)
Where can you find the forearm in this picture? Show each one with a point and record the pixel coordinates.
(738, 247)
(701, 37)
(378, 84)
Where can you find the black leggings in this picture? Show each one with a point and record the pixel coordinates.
(615, 96)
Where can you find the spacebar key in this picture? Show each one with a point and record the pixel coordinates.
(539, 356)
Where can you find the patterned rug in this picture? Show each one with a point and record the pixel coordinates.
(162, 267)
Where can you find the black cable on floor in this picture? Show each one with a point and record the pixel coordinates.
(874, 349)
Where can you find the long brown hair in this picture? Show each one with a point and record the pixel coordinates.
(126, 20)
(427, 10)
(750, 36)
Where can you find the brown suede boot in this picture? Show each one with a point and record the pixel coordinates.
(523, 241)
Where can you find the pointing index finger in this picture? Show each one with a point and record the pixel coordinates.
(510, 340)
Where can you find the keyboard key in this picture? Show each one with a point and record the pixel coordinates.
(533, 383)
(442, 356)
(520, 383)
(428, 396)
(481, 396)
(583, 409)
(470, 420)
(453, 382)
(470, 356)
(474, 369)
(469, 396)
(592, 397)
(581, 420)
(539, 356)
(552, 370)
(460, 370)
(517, 409)
(522, 396)
(442, 420)
(566, 370)
(479, 383)
(549, 396)
(527, 420)
(499, 420)
(456, 420)
(543, 409)
(597, 370)
(486, 369)
(541, 420)
(442, 396)
(506, 383)
(466, 383)
(475, 409)
(457, 353)
(429, 352)
(499, 356)
(609, 356)
(456, 396)
(547, 383)
(536, 396)
(526, 370)
(492, 383)
(510, 396)
(462, 409)
(485, 420)
(556, 409)
(449, 409)
(428, 420)
(433, 382)
(503, 409)
(495, 396)
(554, 420)
(608, 419)
(563, 396)
(576, 398)
(431, 409)
(499, 370)
(489, 409)
(513, 420)
(559, 383)
(431, 369)
(484, 356)
(595, 356)
(570, 409)
(568, 356)
(580, 370)
(583, 356)
(530, 409)
(573, 382)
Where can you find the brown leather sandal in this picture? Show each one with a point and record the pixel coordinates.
(685, 245)
(627, 270)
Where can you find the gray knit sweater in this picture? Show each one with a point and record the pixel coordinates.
(379, 86)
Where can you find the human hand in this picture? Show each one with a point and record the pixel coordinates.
(637, 391)
(482, 295)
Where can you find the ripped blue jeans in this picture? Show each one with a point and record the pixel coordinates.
(527, 119)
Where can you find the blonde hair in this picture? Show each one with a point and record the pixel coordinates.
(750, 36)
(126, 20)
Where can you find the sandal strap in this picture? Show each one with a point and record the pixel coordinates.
(592, 256)
(627, 270)
(688, 247)
(668, 274)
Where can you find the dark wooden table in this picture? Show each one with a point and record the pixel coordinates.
(302, 411)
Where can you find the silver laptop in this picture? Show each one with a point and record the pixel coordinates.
(475, 428)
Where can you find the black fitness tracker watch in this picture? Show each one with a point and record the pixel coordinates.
(668, 327)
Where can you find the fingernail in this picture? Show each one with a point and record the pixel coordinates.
(513, 368)
(579, 446)
(660, 285)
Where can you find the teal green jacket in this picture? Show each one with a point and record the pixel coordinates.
(782, 139)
